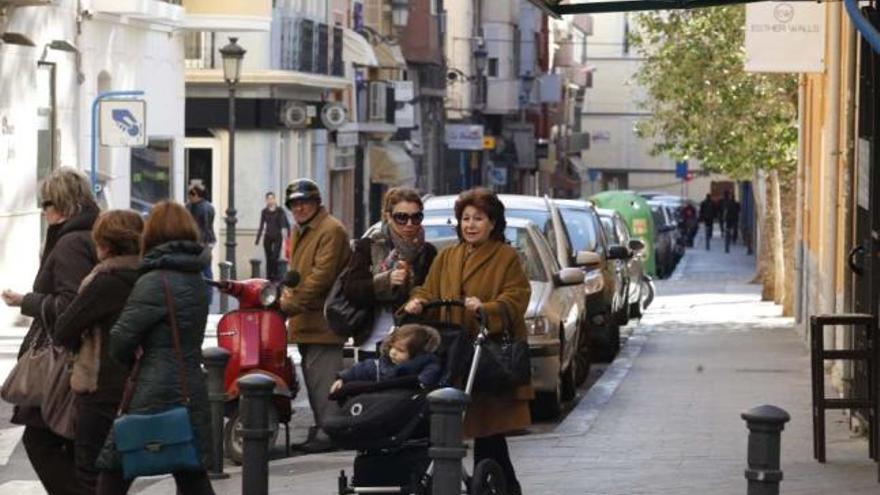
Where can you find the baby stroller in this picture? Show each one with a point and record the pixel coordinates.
(387, 422)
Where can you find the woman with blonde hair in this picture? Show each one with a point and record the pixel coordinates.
(172, 261)
(84, 327)
(68, 256)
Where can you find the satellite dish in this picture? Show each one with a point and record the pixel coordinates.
(334, 115)
(294, 115)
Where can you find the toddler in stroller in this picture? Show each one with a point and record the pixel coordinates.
(386, 419)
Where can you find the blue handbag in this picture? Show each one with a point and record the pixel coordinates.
(160, 443)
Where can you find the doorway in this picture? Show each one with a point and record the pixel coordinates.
(200, 170)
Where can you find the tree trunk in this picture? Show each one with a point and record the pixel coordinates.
(763, 249)
(775, 221)
(788, 188)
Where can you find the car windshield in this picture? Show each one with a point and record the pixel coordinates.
(610, 233)
(581, 229)
(518, 238)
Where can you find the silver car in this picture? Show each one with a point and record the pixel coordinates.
(555, 312)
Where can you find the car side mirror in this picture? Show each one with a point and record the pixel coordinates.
(636, 245)
(618, 252)
(587, 258)
(569, 276)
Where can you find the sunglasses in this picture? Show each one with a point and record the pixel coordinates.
(404, 218)
(46, 204)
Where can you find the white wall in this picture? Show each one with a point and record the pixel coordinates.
(459, 49)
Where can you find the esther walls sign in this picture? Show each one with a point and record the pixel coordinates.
(785, 37)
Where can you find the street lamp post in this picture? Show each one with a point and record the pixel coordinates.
(528, 82)
(480, 59)
(232, 55)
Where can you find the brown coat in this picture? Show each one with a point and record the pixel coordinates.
(319, 251)
(493, 273)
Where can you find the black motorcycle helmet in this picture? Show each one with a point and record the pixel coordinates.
(301, 189)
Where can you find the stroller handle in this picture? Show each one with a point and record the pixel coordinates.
(401, 317)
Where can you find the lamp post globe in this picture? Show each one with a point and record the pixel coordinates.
(232, 54)
(481, 56)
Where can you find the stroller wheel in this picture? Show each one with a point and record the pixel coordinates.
(488, 479)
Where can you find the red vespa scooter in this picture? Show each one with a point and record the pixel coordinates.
(256, 337)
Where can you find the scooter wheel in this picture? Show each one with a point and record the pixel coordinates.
(233, 445)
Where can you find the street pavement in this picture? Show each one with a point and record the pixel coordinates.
(664, 418)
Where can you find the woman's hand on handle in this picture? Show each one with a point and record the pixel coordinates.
(473, 304)
(414, 306)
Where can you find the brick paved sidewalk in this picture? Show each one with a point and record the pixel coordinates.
(664, 419)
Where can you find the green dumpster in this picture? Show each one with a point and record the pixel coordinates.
(637, 215)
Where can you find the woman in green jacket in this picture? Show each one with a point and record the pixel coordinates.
(171, 252)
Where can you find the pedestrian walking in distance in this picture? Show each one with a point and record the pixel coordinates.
(202, 212)
(319, 250)
(274, 221)
(487, 273)
(730, 212)
(171, 253)
(707, 216)
(67, 258)
(388, 264)
(84, 328)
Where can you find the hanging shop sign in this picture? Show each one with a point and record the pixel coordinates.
(785, 37)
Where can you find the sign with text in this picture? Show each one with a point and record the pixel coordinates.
(785, 37)
(123, 123)
(464, 137)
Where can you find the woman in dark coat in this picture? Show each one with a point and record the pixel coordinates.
(488, 274)
(84, 327)
(68, 256)
(388, 264)
(171, 252)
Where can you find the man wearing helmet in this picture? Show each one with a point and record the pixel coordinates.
(319, 250)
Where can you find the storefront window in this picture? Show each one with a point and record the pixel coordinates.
(151, 174)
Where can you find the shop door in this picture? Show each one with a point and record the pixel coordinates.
(863, 259)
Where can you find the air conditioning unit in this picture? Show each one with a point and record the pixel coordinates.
(294, 115)
(378, 101)
(334, 115)
(25, 3)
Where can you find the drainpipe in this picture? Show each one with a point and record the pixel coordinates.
(829, 189)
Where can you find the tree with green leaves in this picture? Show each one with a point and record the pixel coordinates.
(705, 106)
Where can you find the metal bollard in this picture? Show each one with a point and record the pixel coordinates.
(225, 269)
(256, 399)
(447, 447)
(255, 267)
(215, 359)
(765, 424)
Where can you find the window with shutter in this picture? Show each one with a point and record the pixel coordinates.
(338, 66)
(306, 45)
(322, 63)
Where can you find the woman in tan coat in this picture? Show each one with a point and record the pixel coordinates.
(486, 272)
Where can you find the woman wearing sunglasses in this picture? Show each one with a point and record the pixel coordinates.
(386, 265)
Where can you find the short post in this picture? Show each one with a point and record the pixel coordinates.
(447, 446)
(765, 424)
(225, 270)
(215, 359)
(256, 399)
(255, 267)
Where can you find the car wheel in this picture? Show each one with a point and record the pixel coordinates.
(584, 359)
(635, 309)
(622, 316)
(610, 347)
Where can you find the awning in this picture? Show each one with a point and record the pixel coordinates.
(390, 56)
(356, 49)
(556, 8)
(390, 164)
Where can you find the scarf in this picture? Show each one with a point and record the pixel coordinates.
(407, 250)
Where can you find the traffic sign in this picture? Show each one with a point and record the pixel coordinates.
(123, 123)
(681, 169)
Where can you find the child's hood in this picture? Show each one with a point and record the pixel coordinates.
(433, 342)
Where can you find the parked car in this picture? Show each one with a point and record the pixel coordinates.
(608, 305)
(573, 241)
(636, 212)
(686, 224)
(664, 242)
(555, 314)
(631, 267)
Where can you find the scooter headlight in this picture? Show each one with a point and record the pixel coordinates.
(269, 294)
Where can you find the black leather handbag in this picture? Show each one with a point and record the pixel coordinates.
(505, 364)
(345, 318)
